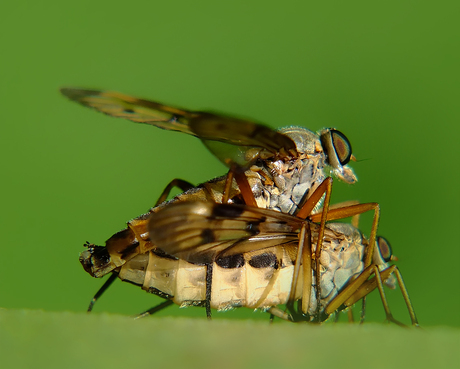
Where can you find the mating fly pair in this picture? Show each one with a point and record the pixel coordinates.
(256, 237)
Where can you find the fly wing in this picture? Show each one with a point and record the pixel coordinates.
(132, 108)
(199, 232)
(231, 140)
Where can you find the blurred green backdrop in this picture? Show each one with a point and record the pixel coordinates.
(384, 73)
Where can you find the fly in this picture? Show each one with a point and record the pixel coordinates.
(228, 256)
(286, 170)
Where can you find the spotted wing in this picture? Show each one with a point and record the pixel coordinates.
(199, 232)
(229, 139)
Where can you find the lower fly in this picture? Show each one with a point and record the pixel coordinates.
(224, 256)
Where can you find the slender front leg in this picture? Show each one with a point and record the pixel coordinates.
(362, 286)
(101, 290)
(245, 188)
(183, 185)
(377, 282)
(324, 188)
(208, 290)
(350, 211)
(154, 309)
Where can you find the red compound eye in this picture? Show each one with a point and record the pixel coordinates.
(385, 248)
(342, 146)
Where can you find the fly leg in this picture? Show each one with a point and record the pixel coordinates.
(328, 214)
(344, 204)
(276, 311)
(208, 290)
(350, 211)
(303, 259)
(324, 189)
(183, 185)
(227, 187)
(354, 223)
(354, 211)
(238, 174)
(362, 286)
(324, 216)
(377, 282)
(351, 319)
(154, 309)
(306, 257)
(101, 290)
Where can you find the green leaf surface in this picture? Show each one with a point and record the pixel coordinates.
(38, 339)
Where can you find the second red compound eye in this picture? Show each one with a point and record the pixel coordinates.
(385, 249)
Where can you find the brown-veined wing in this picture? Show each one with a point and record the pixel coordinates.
(200, 232)
(231, 140)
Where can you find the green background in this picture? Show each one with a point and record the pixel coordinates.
(384, 73)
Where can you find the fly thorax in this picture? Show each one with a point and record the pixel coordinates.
(282, 185)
